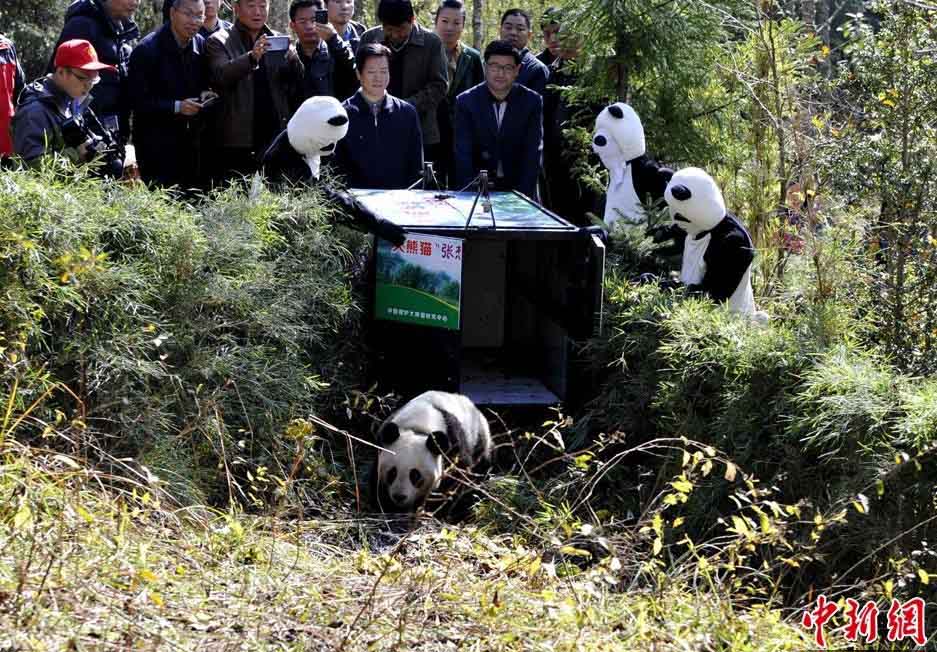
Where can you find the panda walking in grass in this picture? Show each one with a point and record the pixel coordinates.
(718, 251)
(295, 157)
(433, 438)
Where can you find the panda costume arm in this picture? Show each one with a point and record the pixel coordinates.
(284, 165)
(650, 180)
(728, 256)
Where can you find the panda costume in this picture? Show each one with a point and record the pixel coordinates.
(632, 175)
(434, 437)
(718, 251)
(295, 156)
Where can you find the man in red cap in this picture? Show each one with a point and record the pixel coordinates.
(53, 113)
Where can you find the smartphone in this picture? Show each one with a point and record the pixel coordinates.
(322, 16)
(278, 43)
(209, 101)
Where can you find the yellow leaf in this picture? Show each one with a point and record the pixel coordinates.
(147, 575)
(710, 451)
(925, 578)
(825, 51)
(707, 467)
(572, 551)
(889, 586)
(740, 525)
(156, 598)
(686, 457)
(683, 486)
(83, 513)
(658, 546)
(730, 471)
(861, 503)
(657, 523)
(23, 517)
(677, 522)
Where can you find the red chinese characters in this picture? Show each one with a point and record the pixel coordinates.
(817, 618)
(905, 620)
(862, 622)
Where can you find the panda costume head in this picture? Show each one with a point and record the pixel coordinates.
(420, 440)
(718, 250)
(618, 141)
(316, 127)
(695, 201)
(618, 137)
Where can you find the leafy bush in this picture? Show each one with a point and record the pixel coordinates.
(187, 335)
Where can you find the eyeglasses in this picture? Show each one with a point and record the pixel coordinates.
(507, 69)
(85, 79)
(195, 18)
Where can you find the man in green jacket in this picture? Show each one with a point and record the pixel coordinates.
(465, 71)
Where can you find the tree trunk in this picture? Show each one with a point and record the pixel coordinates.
(622, 57)
(478, 24)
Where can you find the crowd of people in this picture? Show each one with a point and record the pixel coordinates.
(201, 99)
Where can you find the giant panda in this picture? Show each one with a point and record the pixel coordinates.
(428, 440)
(618, 141)
(718, 251)
(295, 156)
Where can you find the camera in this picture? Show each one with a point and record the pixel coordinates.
(322, 16)
(85, 129)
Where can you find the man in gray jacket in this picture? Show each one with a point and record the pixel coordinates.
(418, 66)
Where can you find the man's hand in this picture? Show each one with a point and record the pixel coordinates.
(190, 107)
(260, 48)
(326, 31)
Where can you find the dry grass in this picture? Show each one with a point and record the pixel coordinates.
(89, 562)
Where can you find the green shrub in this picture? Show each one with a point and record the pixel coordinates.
(189, 335)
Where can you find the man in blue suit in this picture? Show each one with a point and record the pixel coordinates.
(499, 126)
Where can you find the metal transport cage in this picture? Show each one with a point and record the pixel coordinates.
(488, 296)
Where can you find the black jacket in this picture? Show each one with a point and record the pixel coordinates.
(382, 152)
(480, 145)
(728, 256)
(533, 73)
(283, 165)
(330, 71)
(87, 19)
(168, 143)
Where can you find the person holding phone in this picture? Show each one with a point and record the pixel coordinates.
(258, 75)
(328, 61)
(169, 84)
(340, 14)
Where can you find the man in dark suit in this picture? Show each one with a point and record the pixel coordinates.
(169, 83)
(499, 126)
(515, 29)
